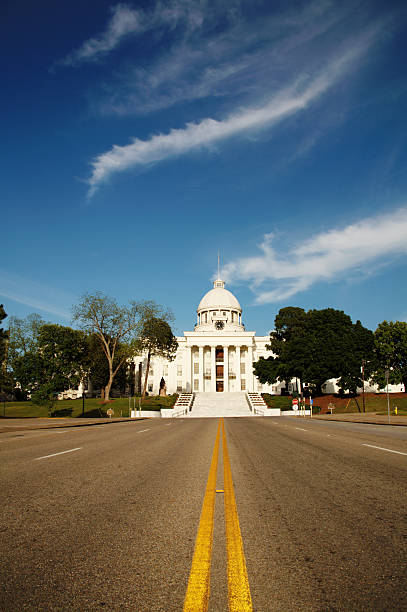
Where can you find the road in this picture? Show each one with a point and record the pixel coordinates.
(107, 517)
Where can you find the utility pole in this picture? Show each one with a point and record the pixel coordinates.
(363, 387)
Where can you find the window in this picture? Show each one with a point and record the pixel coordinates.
(196, 368)
(196, 384)
(243, 368)
(179, 386)
(179, 370)
(206, 317)
(224, 314)
(165, 369)
(150, 388)
(151, 370)
(243, 384)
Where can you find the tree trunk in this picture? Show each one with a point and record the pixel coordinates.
(146, 374)
(109, 384)
(107, 389)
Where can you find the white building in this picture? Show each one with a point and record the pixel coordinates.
(217, 356)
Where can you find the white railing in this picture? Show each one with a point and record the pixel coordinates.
(256, 403)
(183, 404)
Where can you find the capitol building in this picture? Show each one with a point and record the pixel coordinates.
(217, 356)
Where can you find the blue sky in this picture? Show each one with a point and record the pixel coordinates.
(141, 137)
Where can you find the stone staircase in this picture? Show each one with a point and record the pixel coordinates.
(220, 405)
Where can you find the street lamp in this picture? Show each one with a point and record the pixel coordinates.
(386, 373)
(363, 383)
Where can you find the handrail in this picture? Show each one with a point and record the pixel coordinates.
(255, 400)
(185, 400)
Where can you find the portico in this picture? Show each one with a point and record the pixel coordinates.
(219, 364)
(217, 356)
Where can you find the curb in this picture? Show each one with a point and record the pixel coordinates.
(364, 422)
(59, 426)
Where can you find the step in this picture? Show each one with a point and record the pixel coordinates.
(212, 405)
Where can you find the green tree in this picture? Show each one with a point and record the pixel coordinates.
(360, 352)
(64, 353)
(390, 340)
(117, 328)
(315, 346)
(23, 340)
(156, 339)
(99, 368)
(290, 346)
(24, 335)
(4, 340)
(59, 361)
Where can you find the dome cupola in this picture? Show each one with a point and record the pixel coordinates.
(219, 310)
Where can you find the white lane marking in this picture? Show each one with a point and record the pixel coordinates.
(388, 450)
(168, 424)
(274, 422)
(141, 431)
(301, 429)
(55, 454)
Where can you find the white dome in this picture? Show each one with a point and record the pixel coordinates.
(219, 298)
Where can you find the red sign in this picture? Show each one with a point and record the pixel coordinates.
(295, 401)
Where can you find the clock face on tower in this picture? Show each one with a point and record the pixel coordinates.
(219, 325)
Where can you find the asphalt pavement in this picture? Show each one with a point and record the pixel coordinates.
(106, 518)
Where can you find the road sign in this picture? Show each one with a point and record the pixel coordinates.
(295, 401)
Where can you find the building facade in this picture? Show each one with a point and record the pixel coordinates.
(217, 356)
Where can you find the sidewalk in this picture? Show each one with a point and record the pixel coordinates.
(34, 423)
(364, 417)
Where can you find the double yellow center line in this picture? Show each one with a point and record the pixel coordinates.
(197, 595)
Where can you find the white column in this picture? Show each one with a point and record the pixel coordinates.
(201, 369)
(187, 370)
(225, 369)
(249, 369)
(213, 368)
(238, 379)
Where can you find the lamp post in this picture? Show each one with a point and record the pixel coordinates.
(386, 373)
(363, 384)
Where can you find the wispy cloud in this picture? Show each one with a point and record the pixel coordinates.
(35, 295)
(126, 21)
(241, 58)
(208, 132)
(328, 256)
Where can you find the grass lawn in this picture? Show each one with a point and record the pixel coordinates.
(374, 402)
(73, 408)
(284, 402)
